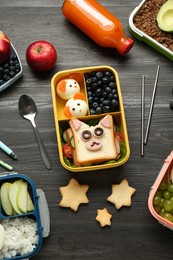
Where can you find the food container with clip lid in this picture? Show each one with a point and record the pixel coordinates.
(154, 37)
(38, 216)
(62, 121)
(162, 193)
(13, 66)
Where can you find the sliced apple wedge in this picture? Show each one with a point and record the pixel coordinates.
(13, 193)
(22, 196)
(30, 205)
(2, 236)
(6, 205)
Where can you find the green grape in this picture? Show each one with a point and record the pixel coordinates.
(163, 186)
(157, 208)
(158, 193)
(166, 194)
(162, 212)
(170, 187)
(171, 198)
(168, 205)
(156, 200)
(161, 203)
(168, 216)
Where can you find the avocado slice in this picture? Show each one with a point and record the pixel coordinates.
(165, 16)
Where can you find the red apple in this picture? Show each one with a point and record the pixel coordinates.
(5, 48)
(41, 55)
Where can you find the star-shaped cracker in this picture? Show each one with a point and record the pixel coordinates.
(73, 195)
(103, 217)
(121, 194)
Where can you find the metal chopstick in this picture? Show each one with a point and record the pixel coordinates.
(142, 114)
(151, 105)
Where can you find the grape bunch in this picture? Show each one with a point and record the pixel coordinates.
(102, 92)
(9, 69)
(163, 201)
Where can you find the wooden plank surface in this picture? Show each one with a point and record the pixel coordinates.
(134, 233)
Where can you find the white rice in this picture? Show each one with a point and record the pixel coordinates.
(21, 237)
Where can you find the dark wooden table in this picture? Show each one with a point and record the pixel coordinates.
(134, 233)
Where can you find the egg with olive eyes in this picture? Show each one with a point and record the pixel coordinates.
(76, 106)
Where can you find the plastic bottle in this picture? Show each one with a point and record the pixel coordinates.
(98, 23)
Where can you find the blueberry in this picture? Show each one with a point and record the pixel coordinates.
(99, 92)
(104, 94)
(6, 71)
(93, 73)
(90, 100)
(17, 65)
(88, 82)
(94, 85)
(114, 91)
(108, 73)
(1, 70)
(106, 102)
(112, 78)
(6, 66)
(12, 74)
(114, 103)
(112, 85)
(2, 82)
(90, 93)
(95, 104)
(108, 90)
(95, 99)
(115, 96)
(94, 79)
(92, 111)
(110, 95)
(105, 80)
(98, 110)
(99, 75)
(106, 109)
(99, 83)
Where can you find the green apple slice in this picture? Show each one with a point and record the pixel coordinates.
(30, 205)
(6, 205)
(22, 196)
(2, 236)
(13, 193)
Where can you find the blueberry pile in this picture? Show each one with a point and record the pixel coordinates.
(102, 92)
(9, 69)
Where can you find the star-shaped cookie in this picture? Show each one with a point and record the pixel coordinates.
(73, 195)
(121, 194)
(103, 217)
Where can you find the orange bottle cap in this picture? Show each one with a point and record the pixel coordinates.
(126, 46)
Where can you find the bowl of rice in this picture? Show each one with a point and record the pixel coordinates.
(21, 232)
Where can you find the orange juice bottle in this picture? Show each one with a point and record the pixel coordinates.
(98, 23)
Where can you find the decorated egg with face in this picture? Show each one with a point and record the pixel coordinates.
(76, 106)
(66, 88)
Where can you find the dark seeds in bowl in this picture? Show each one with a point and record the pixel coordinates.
(101, 92)
(145, 21)
(9, 69)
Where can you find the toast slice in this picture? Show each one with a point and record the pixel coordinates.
(94, 144)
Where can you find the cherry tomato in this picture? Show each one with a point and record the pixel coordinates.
(67, 150)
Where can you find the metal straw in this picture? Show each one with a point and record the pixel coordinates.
(142, 115)
(151, 105)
